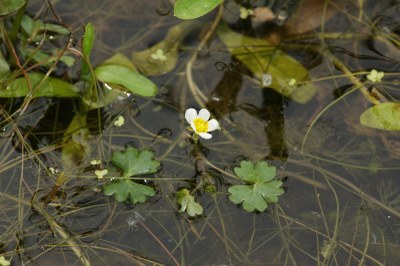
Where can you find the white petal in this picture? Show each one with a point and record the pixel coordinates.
(193, 126)
(205, 135)
(204, 114)
(190, 115)
(213, 125)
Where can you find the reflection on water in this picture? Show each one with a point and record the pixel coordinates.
(341, 201)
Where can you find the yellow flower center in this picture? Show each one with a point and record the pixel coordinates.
(200, 125)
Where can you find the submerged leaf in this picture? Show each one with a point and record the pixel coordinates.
(384, 116)
(187, 203)
(163, 56)
(49, 87)
(123, 188)
(76, 147)
(190, 9)
(261, 58)
(261, 190)
(134, 162)
(127, 78)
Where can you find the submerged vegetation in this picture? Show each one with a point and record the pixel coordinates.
(199, 132)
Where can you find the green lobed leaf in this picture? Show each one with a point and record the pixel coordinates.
(121, 189)
(260, 172)
(384, 116)
(263, 189)
(130, 80)
(9, 6)
(4, 67)
(190, 9)
(262, 58)
(134, 162)
(50, 87)
(187, 203)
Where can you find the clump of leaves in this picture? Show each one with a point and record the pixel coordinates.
(260, 189)
(187, 203)
(132, 162)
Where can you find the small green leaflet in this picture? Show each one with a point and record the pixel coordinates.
(384, 116)
(126, 187)
(261, 188)
(190, 9)
(132, 162)
(187, 203)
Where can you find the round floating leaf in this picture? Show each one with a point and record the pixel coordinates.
(187, 203)
(127, 78)
(190, 9)
(134, 162)
(384, 116)
(261, 191)
(123, 188)
(9, 6)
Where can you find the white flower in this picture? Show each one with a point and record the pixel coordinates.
(375, 76)
(200, 122)
(120, 121)
(159, 55)
(101, 173)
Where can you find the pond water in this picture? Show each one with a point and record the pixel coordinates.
(341, 200)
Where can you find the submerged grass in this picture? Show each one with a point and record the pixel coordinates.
(333, 212)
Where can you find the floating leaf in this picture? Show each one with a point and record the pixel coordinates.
(49, 87)
(127, 78)
(123, 188)
(262, 188)
(163, 56)
(262, 58)
(187, 203)
(9, 6)
(134, 162)
(384, 116)
(190, 9)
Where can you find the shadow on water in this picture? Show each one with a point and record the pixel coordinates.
(341, 203)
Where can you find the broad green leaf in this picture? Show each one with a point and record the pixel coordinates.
(50, 87)
(121, 189)
(163, 56)
(266, 61)
(187, 203)
(76, 147)
(87, 44)
(384, 116)
(99, 96)
(9, 6)
(261, 172)
(134, 162)
(33, 28)
(127, 78)
(261, 189)
(190, 9)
